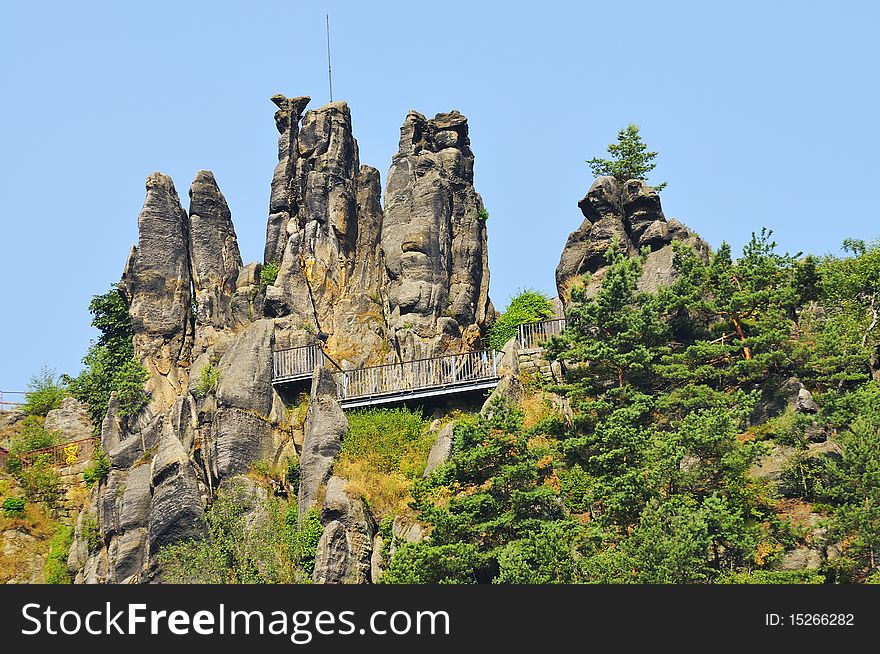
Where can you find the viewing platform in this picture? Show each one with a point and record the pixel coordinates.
(409, 380)
(296, 364)
(533, 335)
(393, 382)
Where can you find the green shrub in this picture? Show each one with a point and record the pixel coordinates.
(44, 393)
(56, 562)
(483, 214)
(90, 532)
(293, 472)
(98, 469)
(40, 482)
(209, 378)
(30, 435)
(305, 538)
(269, 273)
(130, 393)
(110, 362)
(773, 577)
(526, 307)
(248, 541)
(13, 507)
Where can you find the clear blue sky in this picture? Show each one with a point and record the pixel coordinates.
(764, 114)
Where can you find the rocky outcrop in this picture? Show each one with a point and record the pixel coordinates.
(629, 213)
(325, 427)
(71, 419)
(215, 258)
(434, 239)
(323, 232)
(284, 199)
(344, 551)
(157, 283)
(441, 450)
(369, 287)
(510, 387)
(246, 404)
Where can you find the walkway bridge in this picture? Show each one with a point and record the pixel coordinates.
(393, 382)
(408, 380)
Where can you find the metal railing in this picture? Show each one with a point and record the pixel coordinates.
(8, 403)
(296, 363)
(465, 369)
(61, 455)
(532, 335)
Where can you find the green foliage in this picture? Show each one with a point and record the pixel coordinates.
(98, 468)
(29, 435)
(55, 570)
(630, 158)
(496, 496)
(110, 364)
(209, 378)
(129, 385)
(248, 540)
(90, 533)
(44, 393)
(13, 507)
(773, 577)
(293, 472)
(483, 214)
(269, 273)
(305, 539)
(40, 482)
(527, 306)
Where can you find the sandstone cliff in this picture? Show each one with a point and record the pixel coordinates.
(369, 286)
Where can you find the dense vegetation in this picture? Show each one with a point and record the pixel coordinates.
(527, 306)
(110, 362)
(382, 453)
(675, 396)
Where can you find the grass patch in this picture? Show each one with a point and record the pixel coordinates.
(18, 562)
(56, 562)
(383, 452)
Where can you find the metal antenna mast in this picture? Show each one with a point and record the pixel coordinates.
(329, 70)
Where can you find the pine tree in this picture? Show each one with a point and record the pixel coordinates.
(630, 158)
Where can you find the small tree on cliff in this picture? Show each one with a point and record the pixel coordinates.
(630, 158)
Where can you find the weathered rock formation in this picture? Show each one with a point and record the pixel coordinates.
(215, 259)
(323, 231)
(630, 213)
(434, 239)
(157, 283)
(369, 287)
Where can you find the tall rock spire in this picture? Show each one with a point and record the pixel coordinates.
(434, 238)
(158, 287)
(214, 253)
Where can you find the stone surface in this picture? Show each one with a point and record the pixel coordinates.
(71, 419)
(325, 427)
(157, 285)
(176, 507)
(510, 387)
(441, 449)
(325, 217)
(214, 256)
(344, 552)
(629, 214)
(434, 237)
